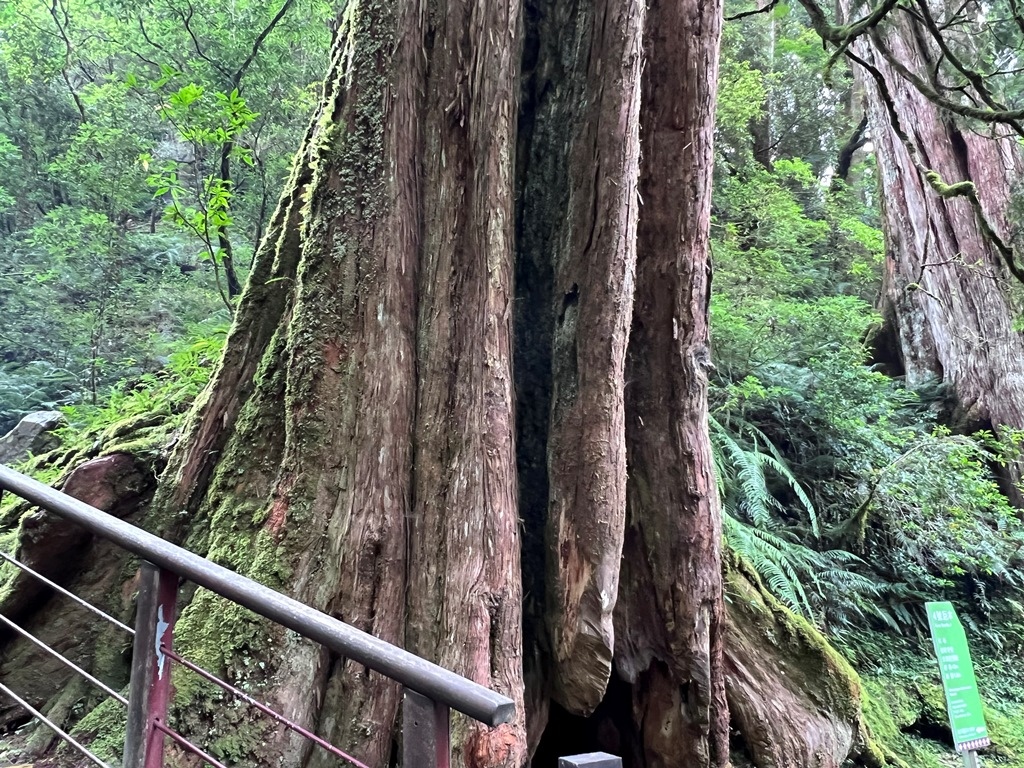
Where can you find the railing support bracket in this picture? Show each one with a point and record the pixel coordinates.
(149, 690)
(425, 735)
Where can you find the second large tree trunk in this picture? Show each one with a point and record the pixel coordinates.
(670, 614)
(362, 446)
(947, 307)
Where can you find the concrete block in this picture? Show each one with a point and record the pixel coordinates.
(590, 760)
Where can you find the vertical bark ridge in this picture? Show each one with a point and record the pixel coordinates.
(555, 35)
(330, 501)
(465, 597)
(594, 261)
(344, 491)
(945, 290)
(669, 623)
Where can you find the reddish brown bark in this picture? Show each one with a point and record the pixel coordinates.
(320, 453)
(357, 449)
(465, 595)
(669, 621)
(946, 301)
(346, 472)
(594, 265)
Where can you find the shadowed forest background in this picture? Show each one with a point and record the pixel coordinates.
(853, 434)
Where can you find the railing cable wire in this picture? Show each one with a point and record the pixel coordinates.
(414, 672)
(66, 593)
(264, 708)
(182, 741)
(67, 663)
(54, 727)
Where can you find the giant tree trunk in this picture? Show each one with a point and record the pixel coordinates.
(362, 446)
(946, 305)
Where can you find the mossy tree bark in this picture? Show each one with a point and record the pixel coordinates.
(381, 414)
(793, 697)
(393, 341)
(362, 446)
(947, 305)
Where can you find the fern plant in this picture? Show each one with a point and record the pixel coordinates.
(782, 565)
(822, 585)
(743, 472)
(167, 393)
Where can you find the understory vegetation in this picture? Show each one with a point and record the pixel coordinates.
(854, 497)
(141, 150)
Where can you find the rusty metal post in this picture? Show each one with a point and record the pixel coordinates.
(150, 686)
(425, 735)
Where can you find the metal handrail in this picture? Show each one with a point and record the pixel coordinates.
(410, 670)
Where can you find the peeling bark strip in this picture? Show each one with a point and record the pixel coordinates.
(945, 289)
(594, 262)
(669, 620)
(465, 595)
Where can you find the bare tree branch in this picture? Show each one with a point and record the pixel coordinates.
(746, 14)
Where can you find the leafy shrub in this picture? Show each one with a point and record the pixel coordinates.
(168, 393)
(32, 386)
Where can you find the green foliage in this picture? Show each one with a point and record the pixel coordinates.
(830, 586)
(743, 473)
(96, 167)
(139, 416)
(34, 385)
(101, 105)
(165, 394)
(91, 303)
(940, 515)
(206, 125)
(804, 579)
(741, 97)
(840, 487)
(9, 157)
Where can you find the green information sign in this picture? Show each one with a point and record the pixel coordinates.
(963, 703)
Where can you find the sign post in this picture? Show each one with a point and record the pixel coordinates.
(963, 703)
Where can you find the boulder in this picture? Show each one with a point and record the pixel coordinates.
(32, 435)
